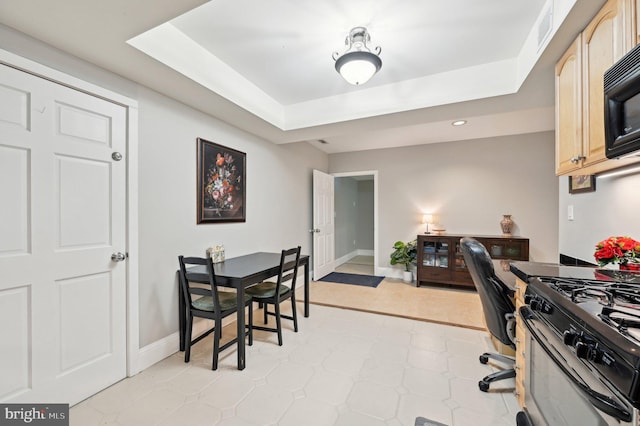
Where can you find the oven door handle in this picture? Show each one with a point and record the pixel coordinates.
(602, 402)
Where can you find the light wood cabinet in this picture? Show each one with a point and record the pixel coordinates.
(569, 109)
(521, 342)
(580, 143)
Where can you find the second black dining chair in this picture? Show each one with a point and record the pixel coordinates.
(207, 302)
(273, 293)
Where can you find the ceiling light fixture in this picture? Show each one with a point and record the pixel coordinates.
(459, 123)
(358, 63)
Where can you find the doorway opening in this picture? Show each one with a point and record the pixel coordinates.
(356, 222)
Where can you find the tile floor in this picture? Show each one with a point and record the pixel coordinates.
(343, 367)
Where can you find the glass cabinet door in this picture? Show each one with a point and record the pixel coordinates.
(459, 258)
(436, 254)
(505, 250)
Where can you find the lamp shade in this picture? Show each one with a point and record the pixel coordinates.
(358, 63)
(358, 67)
(427, 218)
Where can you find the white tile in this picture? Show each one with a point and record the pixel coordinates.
(412, 406)
(468, 367)
(389, 354)
(226, 392)
(329, 387)
(427, 360)
(265, 405)
(376, 400)
(151, 408)
(431, 384)
(352, 418)
(309, 412)
(465, 416)
(467, 394)
(290, 376)
(310, 354)
(343, 362)
(382, 372)
(428, 341)
(343, 367)
(192, 414)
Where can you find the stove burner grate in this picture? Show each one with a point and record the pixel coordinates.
(605, 292)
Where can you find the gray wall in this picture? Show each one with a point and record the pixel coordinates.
(469, 185)
(611, 210)
(365, 225)
(279, 182)
(354, 216)
(346, 217)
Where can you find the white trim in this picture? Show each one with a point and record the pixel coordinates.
(133, 318)
(42, 71)
(376, 269)
(158, 350)
(167, 346)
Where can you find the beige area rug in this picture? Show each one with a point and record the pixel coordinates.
(443, 305)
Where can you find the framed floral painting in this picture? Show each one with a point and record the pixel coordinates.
(221, 183)
(582, 183)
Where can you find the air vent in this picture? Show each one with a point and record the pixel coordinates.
(622, 68)
(545, 25)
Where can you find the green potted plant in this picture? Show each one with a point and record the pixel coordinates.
(405, 254)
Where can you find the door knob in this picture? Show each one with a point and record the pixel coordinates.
(314, 230)
(118, 257)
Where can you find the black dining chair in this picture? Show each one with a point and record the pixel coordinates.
(269, 293)
(207, 302)
(497, 306)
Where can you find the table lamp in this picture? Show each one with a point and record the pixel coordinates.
(427, 219)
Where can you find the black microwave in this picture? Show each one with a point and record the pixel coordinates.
(622, 106)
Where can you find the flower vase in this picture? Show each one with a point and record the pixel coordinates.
(630, 266)
(507, 225)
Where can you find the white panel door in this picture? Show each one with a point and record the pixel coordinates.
(62, 297)
(323, 225)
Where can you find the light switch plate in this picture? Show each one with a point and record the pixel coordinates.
(570, 212)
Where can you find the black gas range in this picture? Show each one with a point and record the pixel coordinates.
(591, 327)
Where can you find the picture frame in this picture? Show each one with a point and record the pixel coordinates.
(221, 183)
(582, 183)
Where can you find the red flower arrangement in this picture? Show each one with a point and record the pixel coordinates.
(622, 250)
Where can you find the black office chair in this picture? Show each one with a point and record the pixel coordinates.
(273, 293)
(210, 304)
(497, 306)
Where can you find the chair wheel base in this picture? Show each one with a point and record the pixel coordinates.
(484, 359)
(484, 386)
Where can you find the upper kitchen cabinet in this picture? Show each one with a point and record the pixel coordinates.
(569, 109)
(580, 147)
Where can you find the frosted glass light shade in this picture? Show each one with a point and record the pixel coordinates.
(358, 67)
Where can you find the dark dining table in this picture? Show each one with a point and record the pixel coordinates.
(239, 273)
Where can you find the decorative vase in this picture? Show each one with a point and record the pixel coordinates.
(507, 225)
(630, 266)
(407, 277)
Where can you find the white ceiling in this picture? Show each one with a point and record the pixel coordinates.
(266, 67)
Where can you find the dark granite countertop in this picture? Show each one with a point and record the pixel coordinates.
(528, 270)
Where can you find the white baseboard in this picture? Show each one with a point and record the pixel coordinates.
(165, 347)
(347, 257)
(362, 252)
